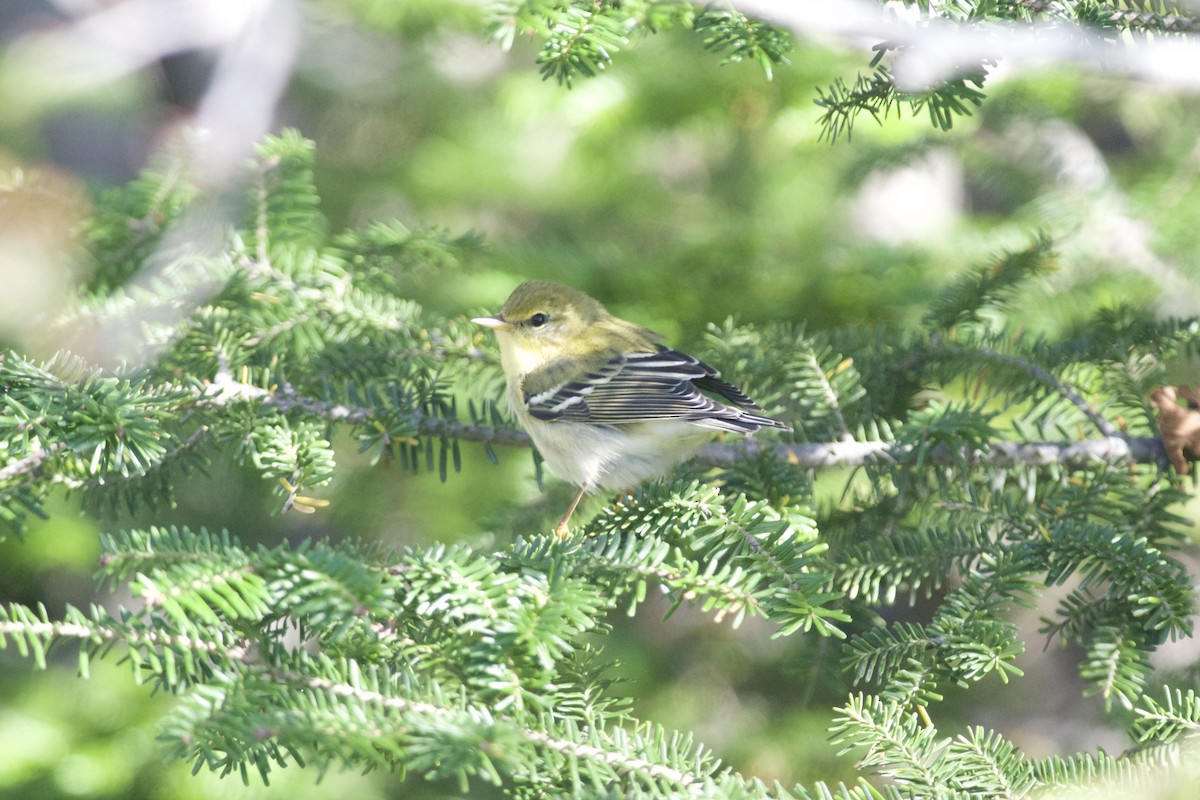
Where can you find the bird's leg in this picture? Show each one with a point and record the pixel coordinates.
(560, 530)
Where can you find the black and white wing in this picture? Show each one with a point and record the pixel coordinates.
(648, 386)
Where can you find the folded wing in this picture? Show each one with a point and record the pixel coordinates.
(649, 386)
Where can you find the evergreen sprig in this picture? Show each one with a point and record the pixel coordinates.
(1176, 716)
(580, 37)
(990, 286)
(734, 557)
(877, 94)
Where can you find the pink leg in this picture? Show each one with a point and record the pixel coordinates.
(561, 529)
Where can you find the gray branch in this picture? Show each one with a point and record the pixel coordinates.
(821, 455)
(824, 455)
(1089, 452)
(31, 464)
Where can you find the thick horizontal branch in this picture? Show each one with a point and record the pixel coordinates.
(821, 455)
(825, 455)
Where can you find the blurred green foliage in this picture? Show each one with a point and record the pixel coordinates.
(680, 191)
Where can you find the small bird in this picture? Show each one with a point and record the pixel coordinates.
(607, 405)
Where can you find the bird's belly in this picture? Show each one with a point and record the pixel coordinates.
(615, 457)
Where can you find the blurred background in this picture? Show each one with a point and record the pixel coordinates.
(676, 190)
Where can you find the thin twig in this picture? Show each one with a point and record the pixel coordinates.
(262, 250)
(285, 399)
(1044, 376)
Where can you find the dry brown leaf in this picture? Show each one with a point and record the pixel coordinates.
(1179, 424)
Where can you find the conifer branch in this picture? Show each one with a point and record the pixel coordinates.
(619, 761)
(617, 758)
(61, 629)
(156, 644)
(830, 396)
(1115, 448)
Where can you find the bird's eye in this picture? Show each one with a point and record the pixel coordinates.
(538, 320)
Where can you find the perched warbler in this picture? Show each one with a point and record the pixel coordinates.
(607, 405)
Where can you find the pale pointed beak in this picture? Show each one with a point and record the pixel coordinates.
(495, 323)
